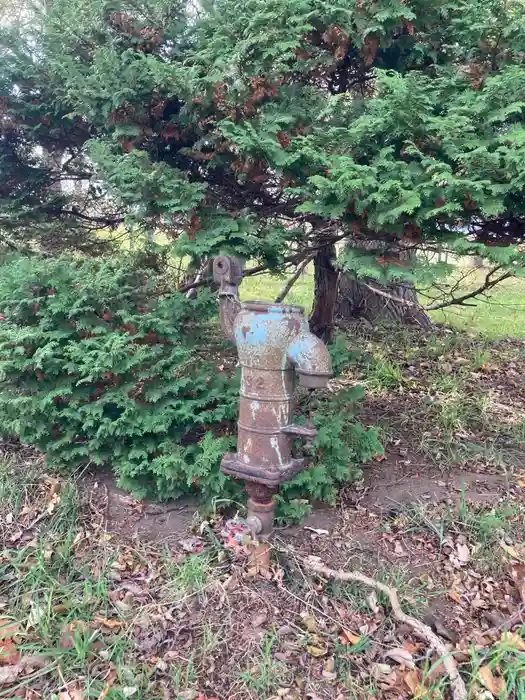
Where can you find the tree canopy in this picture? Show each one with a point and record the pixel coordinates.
(265, 129)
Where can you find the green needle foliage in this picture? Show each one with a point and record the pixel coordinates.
(255, 127)
(267, 129)
(101, 366)
(101, 363)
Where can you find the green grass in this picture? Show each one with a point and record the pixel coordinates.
(265, 674)
(61, 588)
(500, 315)
(267, 288)
(483, 525)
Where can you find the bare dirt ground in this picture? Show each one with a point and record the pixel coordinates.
(111, 597)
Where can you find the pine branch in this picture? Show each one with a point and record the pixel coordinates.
(296, 259)
(99, 220)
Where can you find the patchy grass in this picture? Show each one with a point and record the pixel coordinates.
(480, 527)
(88, 613)
(450, 397)
(91, 613)
(267, 288)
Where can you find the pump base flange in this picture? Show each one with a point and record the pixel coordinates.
(271, 477)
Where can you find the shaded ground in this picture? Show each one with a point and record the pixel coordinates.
(105, 596)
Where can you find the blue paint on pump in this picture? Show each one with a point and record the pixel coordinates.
(302, 347)
(254, 335)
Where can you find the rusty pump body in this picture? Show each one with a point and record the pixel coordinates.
(273, 343)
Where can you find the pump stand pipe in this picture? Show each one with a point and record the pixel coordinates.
(273, 344)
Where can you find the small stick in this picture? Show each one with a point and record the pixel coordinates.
(293, 279)
(459, 690)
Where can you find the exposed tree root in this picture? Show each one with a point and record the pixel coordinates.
(459, 690)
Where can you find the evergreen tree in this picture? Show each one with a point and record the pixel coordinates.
(273, 130)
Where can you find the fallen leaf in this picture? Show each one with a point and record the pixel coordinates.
(9, 674)
(328, 671)
(518, 575)
(455, 596)
(78, 538)
(438, 627)
(413, 683)
(329, 664)
(37, 613)
(372, 602)
(30, 662)
(412, 648)
(9, 653)
(398, 549)
(513, 640)
(48, 555)
(317, 652)
(110, 680)
(54, 484)
(495, 684)
(347, 637)
(53, 503)
(110, 624)
(60, 609)
(378, 670)
(317, 530)
(463, 553)
(259, 620)
(516, 552)
(309, 622)
(401, 656)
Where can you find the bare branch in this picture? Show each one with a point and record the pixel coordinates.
(456, 301)
(296, 259)
(293, 279)
(459, 690)
(488, 284)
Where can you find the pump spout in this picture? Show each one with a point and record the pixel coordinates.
(311, 359)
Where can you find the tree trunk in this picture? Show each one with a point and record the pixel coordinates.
(395, 303)
(326, 277)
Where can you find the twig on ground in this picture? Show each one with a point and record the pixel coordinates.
(459, 690)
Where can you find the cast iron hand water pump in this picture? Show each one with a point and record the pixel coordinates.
(273, 342)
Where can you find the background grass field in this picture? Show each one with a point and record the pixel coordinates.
(499, 315)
